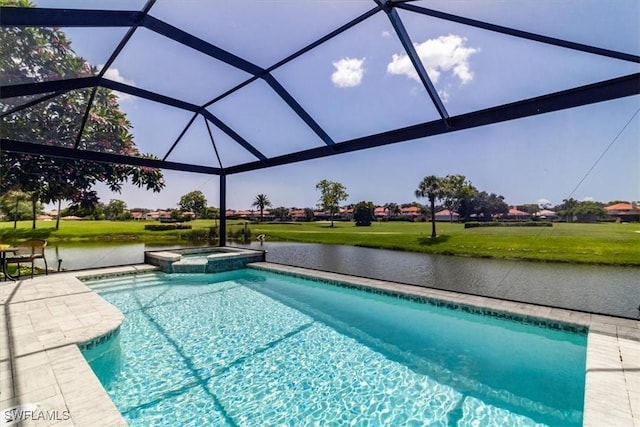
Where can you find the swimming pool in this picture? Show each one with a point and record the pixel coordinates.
(257, 348)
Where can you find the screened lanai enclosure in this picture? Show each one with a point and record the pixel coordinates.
(248, 85)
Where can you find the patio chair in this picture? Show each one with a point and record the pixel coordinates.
(29, 251)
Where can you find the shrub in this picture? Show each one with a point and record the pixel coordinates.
(239, 235)
(167, 227)
(363, 213)
(197, 234)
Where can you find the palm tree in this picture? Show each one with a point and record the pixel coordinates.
(393, 208)
(261, 202)
(429, 187)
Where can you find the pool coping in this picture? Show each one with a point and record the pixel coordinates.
(47, 319)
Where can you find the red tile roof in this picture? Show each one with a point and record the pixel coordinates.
(620, 207)
(516, 212)
(411, 210)
(446, 213)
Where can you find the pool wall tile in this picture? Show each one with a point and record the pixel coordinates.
(352, 282)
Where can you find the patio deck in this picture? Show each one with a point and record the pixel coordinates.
(45, 319)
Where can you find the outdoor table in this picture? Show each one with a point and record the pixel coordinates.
(3, 260)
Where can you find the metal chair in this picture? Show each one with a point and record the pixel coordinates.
(29, 251)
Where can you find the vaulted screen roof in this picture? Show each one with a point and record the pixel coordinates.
(240, 86)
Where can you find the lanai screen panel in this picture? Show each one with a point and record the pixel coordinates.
(248, 85)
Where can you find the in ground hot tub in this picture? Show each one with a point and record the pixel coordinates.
(203, 260)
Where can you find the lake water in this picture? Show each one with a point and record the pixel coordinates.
(597, 289)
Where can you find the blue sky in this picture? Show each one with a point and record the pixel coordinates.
(362, 83)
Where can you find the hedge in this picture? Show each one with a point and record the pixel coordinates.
(166, 227)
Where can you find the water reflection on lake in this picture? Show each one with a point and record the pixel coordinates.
(599, 289)
(80, 256)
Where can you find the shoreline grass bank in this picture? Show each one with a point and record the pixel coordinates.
(600, 244)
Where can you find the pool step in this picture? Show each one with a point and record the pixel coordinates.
(124, 281)
(190, 266)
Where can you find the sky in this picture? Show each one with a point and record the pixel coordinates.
(362, 83)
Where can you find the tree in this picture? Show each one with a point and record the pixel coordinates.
(116, 210)
(16, 206)
(393, 208)
(589, 211)
(483, 206)
(37, 54)
(430, 188)
(363, 213)
(531, 208)
(281, 213)
(89, 207)
(211, 212)
(331, 194)
(567, 208)
(454, 189)
(309, 215)
(261, 202)
(194, 202)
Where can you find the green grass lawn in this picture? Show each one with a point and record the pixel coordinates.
(616, 244)
(91, 230)
(610, 243)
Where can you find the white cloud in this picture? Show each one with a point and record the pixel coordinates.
(348, 73)
(544, 202)
(114, 74)
(444, 95)
(386, 33)
(588, 199)
(444, 54)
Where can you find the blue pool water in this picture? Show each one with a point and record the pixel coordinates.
(254, 348)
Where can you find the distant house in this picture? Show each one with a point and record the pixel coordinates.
(266, 215)
(245, 214)
(344, 213)
(445, 215)
(517, 214)
(321, 215)
(297, 214)
(546, 214)
(413, 211)
(623, 211)
(380, 212)
(45, 217)
(138, 214)
(154, 215)
(158, 215)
